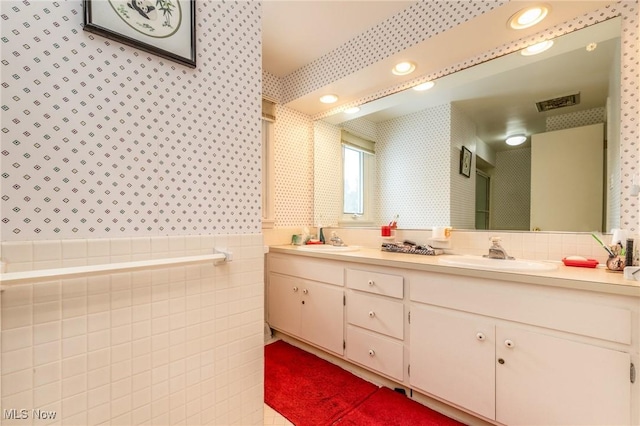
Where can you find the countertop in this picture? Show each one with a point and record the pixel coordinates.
(597, 279)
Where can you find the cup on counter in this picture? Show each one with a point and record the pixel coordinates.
(441, 232)
(385, 231)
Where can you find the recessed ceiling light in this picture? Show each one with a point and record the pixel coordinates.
(424, 86)
(328, 99)
(404, 68)
(352, 110)
(516, 140)
(591, 47)
(537, 48)
(528, 17)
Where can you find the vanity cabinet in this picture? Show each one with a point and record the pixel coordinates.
(375, 321)
(305, 299)
(514, 373)
(509, 349)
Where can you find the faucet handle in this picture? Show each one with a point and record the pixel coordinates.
(495, 240)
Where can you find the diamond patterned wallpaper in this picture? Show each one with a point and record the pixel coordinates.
(103, 140)
(511, 190)
(413, 154)
(413, 25)
(293, 168)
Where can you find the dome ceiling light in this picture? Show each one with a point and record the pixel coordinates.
(529, 16)
(537, 48)
(424, 86)
(516, 140)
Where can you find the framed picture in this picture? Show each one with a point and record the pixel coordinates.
(465, 162)
(163, 27)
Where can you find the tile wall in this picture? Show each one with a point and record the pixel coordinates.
(172, 345)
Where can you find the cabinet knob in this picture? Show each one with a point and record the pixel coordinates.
(371, 283)
(480, 336)
(372, 314)
(509, 343)
(500, 361)
(295, 289)
(305, 291)
(372, 352)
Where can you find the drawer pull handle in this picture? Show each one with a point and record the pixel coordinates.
(480, 336)
(372, 352)
(372, 314)
(500, 361)
(305, 291)
(371, 283)
(509, 343)
(295, 289)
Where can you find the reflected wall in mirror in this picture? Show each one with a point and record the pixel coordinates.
(418, 137)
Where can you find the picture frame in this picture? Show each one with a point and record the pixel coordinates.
(165, 28)
(465, 162)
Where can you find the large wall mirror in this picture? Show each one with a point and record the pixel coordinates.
(419, 137)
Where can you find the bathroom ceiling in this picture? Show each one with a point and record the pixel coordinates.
(297, 32)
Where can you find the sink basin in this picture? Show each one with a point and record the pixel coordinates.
(514, 265)
(327, 248)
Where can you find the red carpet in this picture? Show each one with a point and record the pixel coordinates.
(389, 408)
(308, 390)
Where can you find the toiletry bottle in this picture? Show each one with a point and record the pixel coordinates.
(320, 234)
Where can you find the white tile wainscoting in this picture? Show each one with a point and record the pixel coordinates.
(168, 345)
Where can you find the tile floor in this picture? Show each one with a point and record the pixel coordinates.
(272, 417)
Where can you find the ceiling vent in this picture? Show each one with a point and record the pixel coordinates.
(559, 102)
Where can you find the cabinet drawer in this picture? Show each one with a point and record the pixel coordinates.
(375, 313)
(375, 282)
(322, 270)
(376, 352)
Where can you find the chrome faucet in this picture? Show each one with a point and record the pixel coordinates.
(496, 251)
(336, 241)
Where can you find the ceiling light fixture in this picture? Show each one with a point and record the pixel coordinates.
(516, 140)
(537, 48)
(328, 99)
(528, 17)
(404, 68)
(352, 110)
(591, 47)
(424, 86)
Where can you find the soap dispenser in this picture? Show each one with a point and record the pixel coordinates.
(320, 234)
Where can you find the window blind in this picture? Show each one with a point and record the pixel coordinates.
(358, 142)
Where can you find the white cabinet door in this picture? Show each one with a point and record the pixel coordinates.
(452, 357)
(284, 303)
(322, 321)
(308, 310)
(543, 380)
